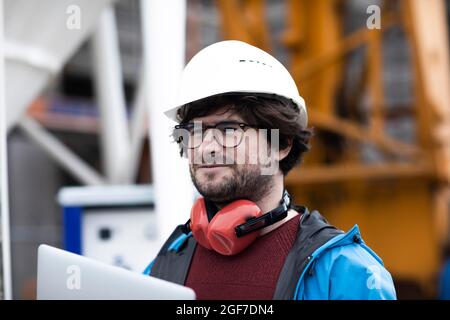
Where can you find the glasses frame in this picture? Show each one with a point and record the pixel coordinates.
(190, 126)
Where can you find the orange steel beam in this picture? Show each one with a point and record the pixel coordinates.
(354, 131)
(349, 43)
(244, 20)
(348, 172)
(426, 26)
(375, 82)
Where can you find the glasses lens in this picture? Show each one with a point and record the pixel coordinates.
(229, 135)
(195, 137)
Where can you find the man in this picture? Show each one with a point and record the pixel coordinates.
(242, 125)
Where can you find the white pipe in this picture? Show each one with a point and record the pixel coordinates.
(163, 30)
(4, 209)
(31, 56)
(60, 153)
(137, 129)
(110, 96)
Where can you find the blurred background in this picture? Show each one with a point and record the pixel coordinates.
(91, 168)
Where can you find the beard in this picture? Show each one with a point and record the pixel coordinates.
(244, 182)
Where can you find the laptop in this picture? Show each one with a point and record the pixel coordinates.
(67, 276)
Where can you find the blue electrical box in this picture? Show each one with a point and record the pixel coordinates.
(112, 224)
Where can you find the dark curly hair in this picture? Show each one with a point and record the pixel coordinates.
(265, 111)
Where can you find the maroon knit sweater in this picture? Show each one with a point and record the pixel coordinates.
(251, 274)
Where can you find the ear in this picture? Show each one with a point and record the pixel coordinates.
(284, 152)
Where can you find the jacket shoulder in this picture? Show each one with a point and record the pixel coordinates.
(354, 271)
(176, 234)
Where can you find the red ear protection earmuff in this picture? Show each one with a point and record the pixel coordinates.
(233, 227)
(219, 234)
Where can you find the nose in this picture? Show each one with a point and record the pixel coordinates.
(209, 144)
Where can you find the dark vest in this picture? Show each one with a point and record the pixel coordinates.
(313, 232)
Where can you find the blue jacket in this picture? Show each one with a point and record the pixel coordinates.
(342, 267)
(444, 283)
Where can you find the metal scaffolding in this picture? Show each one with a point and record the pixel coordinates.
(5, 257)
(29, 60)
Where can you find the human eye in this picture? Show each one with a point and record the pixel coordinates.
(228, 127)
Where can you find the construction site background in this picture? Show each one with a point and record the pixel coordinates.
(378, 100)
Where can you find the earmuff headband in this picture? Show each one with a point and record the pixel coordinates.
(266, 219)
(263, 221)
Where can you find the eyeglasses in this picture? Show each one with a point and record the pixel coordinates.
(228, 134)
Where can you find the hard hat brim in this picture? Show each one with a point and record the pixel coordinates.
(299, 102)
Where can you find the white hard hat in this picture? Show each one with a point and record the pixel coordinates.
(235, 66)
